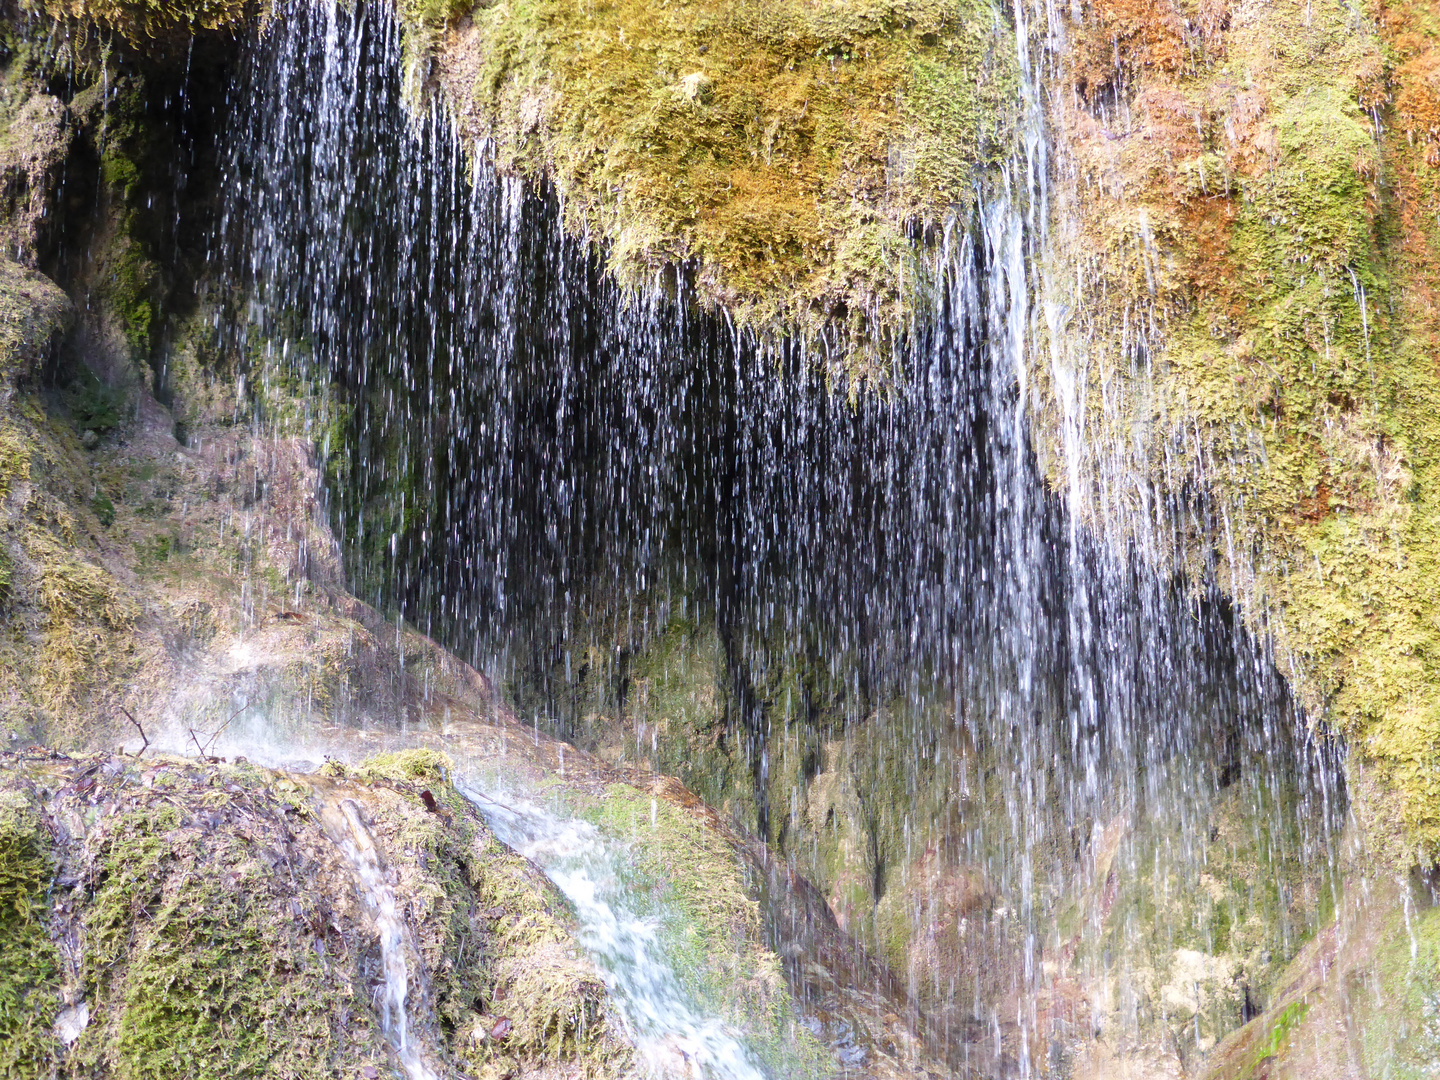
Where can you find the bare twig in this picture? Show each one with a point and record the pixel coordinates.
(487, 798)
(205, 750)
(144, 739)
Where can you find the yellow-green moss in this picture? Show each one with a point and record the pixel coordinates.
(146, 24)
(1256, 337)
(494, 934)
(29, 961)
(786, 153)
(199, 961)
(398, 765)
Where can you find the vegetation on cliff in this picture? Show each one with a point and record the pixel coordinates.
(797, 161)
(1244, 249)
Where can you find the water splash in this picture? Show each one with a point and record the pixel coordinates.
(673, 1035)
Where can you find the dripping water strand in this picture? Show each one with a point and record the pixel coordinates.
(352, 836)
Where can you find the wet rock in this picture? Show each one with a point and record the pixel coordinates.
(271, 898)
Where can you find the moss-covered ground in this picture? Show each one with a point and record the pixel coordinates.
(203, 922)
(29, 960)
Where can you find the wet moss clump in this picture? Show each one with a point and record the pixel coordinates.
(204, 957)
(799, 161)
(29, 961)
(494, 937)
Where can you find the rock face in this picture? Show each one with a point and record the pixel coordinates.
(1232, 367)
(1240, 320)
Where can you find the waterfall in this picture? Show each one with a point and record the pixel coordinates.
(548, 474)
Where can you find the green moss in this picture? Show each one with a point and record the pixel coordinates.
(400, 765)
(495, 937)
(103, 509)
(772, 147)
(197, 963)
(554, 1001)
(1402, 1028)
(130, 285)
(1273, 1044)
(94, 405)
(14, 460)
(29, 961)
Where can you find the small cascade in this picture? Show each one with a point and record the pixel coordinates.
(350, 833)
(674, 1037)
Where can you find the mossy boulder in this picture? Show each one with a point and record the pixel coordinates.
(212, 926)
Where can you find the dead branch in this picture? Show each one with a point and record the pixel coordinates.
(144, 739)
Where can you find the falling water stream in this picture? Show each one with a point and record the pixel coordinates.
(350, 833)
(551, 476)
(672, 1033)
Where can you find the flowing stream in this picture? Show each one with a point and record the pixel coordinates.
(673, 1035)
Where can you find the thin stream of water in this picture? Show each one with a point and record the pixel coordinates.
(673, 1035)
(353, 837)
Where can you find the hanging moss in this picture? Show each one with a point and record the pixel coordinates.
(1246, 269)
(788, 155)
(151, 24)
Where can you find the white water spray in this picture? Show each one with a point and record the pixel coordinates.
(674, 1036)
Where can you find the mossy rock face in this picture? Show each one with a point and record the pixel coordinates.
(1362, 998)
(153, 24)
(35, 136)
(787, 154)
(213, 926)
(29, 960)
(1246, 251)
